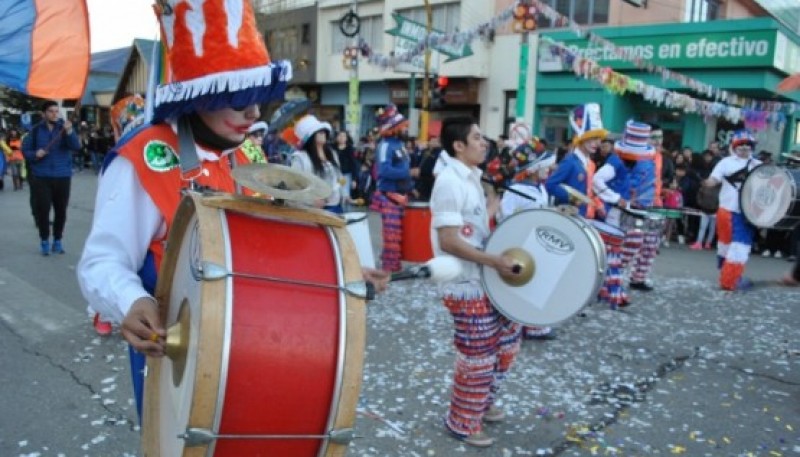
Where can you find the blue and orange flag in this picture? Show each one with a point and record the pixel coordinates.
(45, 47)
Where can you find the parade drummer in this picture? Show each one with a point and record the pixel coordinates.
(140, 188)
(577, 169)
(734, 233)
(529, 192)
(646, 193)
(612, 184)
(486, 343)
(395, 180)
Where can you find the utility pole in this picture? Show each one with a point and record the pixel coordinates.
(426, 85)
(353, 114)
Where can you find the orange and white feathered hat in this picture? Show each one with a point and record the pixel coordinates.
(127, 114)
(216, 58)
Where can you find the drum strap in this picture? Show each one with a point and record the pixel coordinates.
(187, 150)
(740, 175)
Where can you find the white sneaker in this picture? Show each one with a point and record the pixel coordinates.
(766, 254)
(681, 239)
(778, 255)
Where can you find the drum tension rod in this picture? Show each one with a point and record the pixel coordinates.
(201, 437)
(208, 271)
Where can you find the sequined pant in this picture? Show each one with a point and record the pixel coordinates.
(612, 291)
(643, 260)
(392, 230)
(486, 345)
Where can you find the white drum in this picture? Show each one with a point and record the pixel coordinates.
(358, 227)
(770, 197)
(562, 260)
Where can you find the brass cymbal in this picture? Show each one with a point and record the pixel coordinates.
(281, 182)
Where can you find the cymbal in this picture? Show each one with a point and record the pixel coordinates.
(575, 194)
(281, 182)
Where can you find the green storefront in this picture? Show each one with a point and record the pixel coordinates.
(746, 57)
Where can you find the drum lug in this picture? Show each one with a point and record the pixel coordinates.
(358, 289)
(208, 271)
(198, 437)
(342, 436)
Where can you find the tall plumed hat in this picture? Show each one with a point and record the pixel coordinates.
(390, 121)
(586, 123)
(216, 58)
(741, 137)
(635, 142)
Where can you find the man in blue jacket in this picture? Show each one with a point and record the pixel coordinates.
(395, 180)
(48, 149)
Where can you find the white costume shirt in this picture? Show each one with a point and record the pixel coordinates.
(605, 174)
(729, 195)
(513, 203)
(125, 222)
(457, 200)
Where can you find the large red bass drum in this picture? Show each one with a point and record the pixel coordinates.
(265, 343)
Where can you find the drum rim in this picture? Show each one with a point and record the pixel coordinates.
(595, 240)
(209, 380)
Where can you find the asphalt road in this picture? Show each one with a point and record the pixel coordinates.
(688, 370)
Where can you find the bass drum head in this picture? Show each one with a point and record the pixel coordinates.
(183, 387)
(767, 194)
(569, 259)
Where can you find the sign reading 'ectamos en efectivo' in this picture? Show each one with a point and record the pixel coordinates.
(695, 50)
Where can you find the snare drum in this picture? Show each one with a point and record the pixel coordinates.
(611, 235)
(417, 233)
(358, 228)
(633, 219)
(566, 260)
(769, 197)
(655, 222)
(265, 351)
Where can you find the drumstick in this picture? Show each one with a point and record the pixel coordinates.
(437, 269)
(507, 188)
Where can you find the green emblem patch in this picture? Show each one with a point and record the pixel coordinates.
(159, 156)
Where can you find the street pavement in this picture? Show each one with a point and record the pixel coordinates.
(687, 370)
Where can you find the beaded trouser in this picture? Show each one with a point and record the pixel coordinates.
(643, 261)
(486, 343)
(734, 237)
(392, 230)
(612, 291)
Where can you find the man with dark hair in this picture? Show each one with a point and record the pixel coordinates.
(485, 341)
(48, 149)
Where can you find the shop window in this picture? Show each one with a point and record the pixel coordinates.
(446, 17)
(582, 12)
(283, 43)
(702, 10)
(371, 31)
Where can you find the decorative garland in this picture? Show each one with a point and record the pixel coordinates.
(696, 86)
(620, 84)
(755, 113)
(483, 30)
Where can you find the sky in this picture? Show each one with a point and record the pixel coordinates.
(114, 24)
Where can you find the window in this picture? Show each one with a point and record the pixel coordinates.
(371, 31)
(446, 17)
(582, 12)
(306, 34)
(702, 10)
(283, 43)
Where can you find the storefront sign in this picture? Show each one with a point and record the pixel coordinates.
(756, 48)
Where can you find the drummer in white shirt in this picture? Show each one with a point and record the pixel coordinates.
(486, 343)
(734, 233)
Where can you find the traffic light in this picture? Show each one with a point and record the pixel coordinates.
(439, 92)
(350, 59)
(524, 17)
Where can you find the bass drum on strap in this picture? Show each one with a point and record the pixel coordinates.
(562, 262)
(770, 197)
(264, 349)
